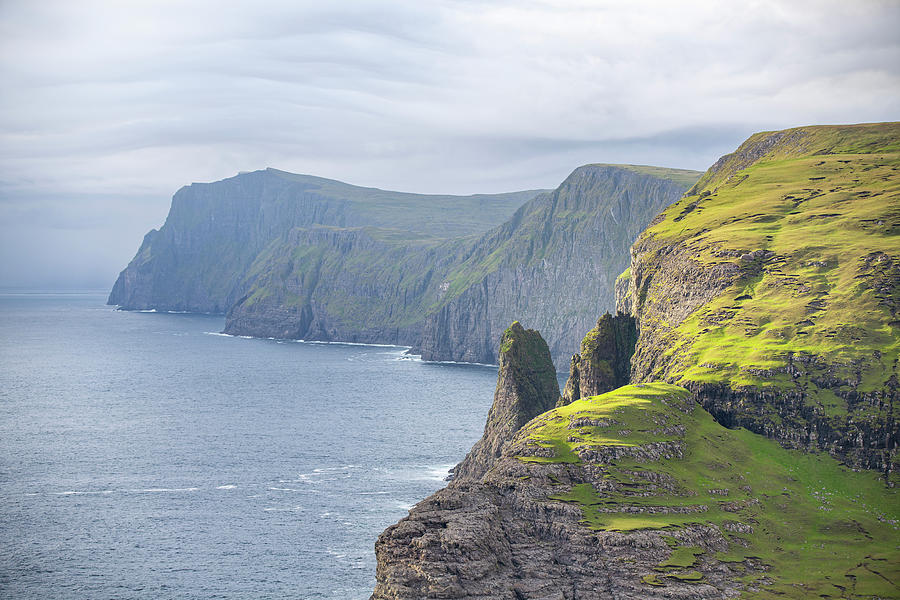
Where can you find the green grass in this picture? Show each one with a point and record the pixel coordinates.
(821, 528)
(815, 318)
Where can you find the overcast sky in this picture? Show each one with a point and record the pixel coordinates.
(107, 108)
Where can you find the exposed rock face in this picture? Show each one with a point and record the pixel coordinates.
(201, 259)
(605, 360)
(552, 265)
(526, 387)
(506, 536)
(775, 304)
(302, 257)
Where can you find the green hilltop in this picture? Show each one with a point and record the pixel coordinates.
(793, 245)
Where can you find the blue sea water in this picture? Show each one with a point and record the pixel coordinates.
(144, 456)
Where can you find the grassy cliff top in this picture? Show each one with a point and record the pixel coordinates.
(440, 215)
(811, 219)
(686, 177)
(663, 463)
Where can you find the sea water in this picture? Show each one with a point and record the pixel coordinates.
(144, 455)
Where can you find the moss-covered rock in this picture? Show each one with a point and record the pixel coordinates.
(526, 387)
(605, 359)
(640, 493)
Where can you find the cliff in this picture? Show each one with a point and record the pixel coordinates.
(770, 295)
(771, 291)
(639, 493)
(552, 265)
(294, 256)
(199, 259)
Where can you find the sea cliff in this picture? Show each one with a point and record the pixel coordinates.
(754, 452)
(300, 257)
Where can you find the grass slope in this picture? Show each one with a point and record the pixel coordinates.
(811, 219)
(823, 530)
(439, 215)
(825, 217)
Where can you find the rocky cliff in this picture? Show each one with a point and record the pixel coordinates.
(771, 291)
(302, 257)
(638, 494)
(552, 265)
(604, 363)
(770, 294)
(200, 258)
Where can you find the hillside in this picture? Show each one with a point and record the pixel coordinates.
(771, 290)
(198, 260)
(575, 238)
(639, 493)
(764, 377)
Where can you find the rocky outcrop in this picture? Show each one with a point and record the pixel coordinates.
(526, 387)
(555, 517)
(637, 494)
(604, 363)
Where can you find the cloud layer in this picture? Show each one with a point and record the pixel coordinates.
(108, 108)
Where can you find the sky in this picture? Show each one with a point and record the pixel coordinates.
(107, 108)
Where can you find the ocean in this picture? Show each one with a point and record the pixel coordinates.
(145, 455)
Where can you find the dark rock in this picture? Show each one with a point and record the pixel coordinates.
(526, 387)
(605, 360)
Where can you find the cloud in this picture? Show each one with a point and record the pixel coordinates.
(108, 108)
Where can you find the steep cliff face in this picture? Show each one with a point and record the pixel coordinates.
(771, 292)
(303, 257)
(637, 494)
(451, 299)
(199, 259)
(552, 265)
(347, 284)
(604, 363)
(526, 387)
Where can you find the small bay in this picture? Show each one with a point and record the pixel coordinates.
(143, 455)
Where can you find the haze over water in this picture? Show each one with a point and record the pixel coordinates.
(144, 456)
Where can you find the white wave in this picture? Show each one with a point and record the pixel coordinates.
(319, 342)
(157, 490)
(278, 489)
(226, 487)
(80, 493)
(283, 509)
(404, 506)
(152, 310)
(455, 362)
(218, 333)
(438, 472)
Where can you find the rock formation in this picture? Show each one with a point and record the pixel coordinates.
(526, 387)
(605, 359)
(637, 494)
